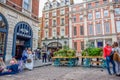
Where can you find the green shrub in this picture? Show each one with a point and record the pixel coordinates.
(92, 52)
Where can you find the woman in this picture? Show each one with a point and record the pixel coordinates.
(106, 53)
(2, 65)
(117, 49)
(29, 61)
(12, 69)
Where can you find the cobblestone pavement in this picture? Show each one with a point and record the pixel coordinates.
(62, 73)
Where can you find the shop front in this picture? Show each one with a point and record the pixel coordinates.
(3, 35)
(22, 39)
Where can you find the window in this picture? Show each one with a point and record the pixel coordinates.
(105, 13)
(118, 26)
(75, 45)
(54, 5)
(54, 13)
(96, 3)
(75, 31)
(89, 16)
(46, 34)
(2, 23)
(90, 29)
(62, 11)
(81, 30)
(62, 32)
(107, 27)
(46, 24)
(82, 45)
(81, 17)
(89, 5)
(117, 11)
(47, 6)
(74, 9)
(26, 4)
(46, 15)
(97, 14)
(74, 19)
(62, 21)
(62, 3)
(98, 28)
(2, 42)
(54, 22)
(54, 33)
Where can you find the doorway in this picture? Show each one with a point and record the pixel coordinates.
(22, 39)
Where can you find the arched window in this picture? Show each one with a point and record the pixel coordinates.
(3, 35)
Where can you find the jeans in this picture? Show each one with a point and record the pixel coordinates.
(108, 61)
(7, 73)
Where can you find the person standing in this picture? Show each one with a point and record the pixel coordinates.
(117, 63)
(29, 61)
(49, 55)
(24, 55)
(44, 55)
(106, 53)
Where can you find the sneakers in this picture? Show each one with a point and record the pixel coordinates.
(118, 75)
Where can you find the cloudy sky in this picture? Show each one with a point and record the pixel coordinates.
(43, 1)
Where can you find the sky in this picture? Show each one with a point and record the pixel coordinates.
(42, 5)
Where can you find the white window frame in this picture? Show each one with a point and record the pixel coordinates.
(53, 22)
(118, 26)
(106, 13)
(62, 32)
(107, 27)
(46, 34)
(98, 28)
(90, 29)
(62, 3)
(74, 9)
(74, 18)
(54, 5)
(29, 7)
(62, 11)
(46, 23)
(54, 13)
(97, 14)
(62, 22)
(47, 6)
(54, 33)
(90, 16)
(117, 11)
(81, 17)
(46, 15)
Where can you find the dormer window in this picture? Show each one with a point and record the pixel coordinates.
(62, 3)
(54, 5)
(47, 6)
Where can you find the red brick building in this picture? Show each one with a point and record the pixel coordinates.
(18, 27)
(55, 32)
(94, 22)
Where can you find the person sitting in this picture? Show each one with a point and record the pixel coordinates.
(12, 69)
(2, 65)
